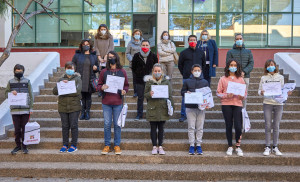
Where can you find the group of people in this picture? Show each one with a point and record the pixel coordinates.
(197, 64)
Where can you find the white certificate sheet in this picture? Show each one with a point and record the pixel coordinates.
(17, 100)
(66, 88)
(272, 89)
(236, 88)
(114, 83)
(160, 91)
(193, 98)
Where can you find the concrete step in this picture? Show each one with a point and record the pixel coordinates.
(150, 171)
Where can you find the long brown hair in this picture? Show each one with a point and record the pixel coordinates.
(99, 34)
(238, 72)
(83, 41)
(118, 63)
(267, 64)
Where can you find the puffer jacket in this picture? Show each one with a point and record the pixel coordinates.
(166, 51)
(157, 109)
(71, 102)
(132, 48)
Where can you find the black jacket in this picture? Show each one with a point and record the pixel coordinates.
(140, 68)
(78, 60)
(188, 58)
(191, 85)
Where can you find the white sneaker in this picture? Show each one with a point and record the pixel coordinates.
(267, 151)
(239, 152)
(229, 151)
(276, 151)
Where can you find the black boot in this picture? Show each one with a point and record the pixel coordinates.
(88, 108)
(82, 116)
(83, 107)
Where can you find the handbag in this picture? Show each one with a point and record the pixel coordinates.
(32, 133)
(94, 85)
(175, 55)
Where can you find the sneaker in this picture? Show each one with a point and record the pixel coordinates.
(25, 150)
(192, 150)
(154, 150)
(239, 152)
(15, 150)
(161, 150)
(117, 150)
(137, 118)
(199, 150)
(229, 151)
(182, 119)
(135, 95)
(105, 150)
(64, 149)
(267, 151)
(72, 149)
(276, 151)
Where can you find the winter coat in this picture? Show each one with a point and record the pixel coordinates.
(188, 58)
(140, 68)
(103, 46)
(157, 109)
(71, 102)
(166, 51)
(243, 56)
(132, 48)
(212, 55)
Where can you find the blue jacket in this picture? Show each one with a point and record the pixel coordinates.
(212, 54)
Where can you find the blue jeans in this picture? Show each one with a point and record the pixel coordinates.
(110, 111)
(183, 114)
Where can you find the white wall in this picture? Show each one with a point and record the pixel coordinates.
(5, 28)
(162, 18)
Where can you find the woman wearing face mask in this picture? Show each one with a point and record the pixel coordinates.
(195, 116)
(142, 64)
(134, 47)
(157, 109)
(210, 49)
(69, 108)
(232, 105)
(111, 102)
(86, 64)
(271, 107)
(166, 50)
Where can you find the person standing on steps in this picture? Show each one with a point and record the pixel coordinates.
(134, 47)
(244, 57)
(209, 47)
(232, 104)
(166, 50)
(187, 58)
(86, 64)
(195, 116)
(112, 103)
(20, 114)
(69, 108)
(157, 109)
(142, 64)
(271, 106)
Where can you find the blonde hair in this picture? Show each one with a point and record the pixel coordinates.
(160, 66)
(208, 36)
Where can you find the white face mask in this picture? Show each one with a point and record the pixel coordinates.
(165, 37)
(103, 32)
(197, 74)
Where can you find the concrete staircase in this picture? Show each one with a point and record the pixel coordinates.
(136, 161)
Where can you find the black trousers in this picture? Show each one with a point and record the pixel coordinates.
(86, 101)
(233, 114)
(69, 121)
(206, 74)
(140, 92)
(134, 82)
(20, 120)
(154, 126)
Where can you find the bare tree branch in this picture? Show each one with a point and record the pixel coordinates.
(90, 3)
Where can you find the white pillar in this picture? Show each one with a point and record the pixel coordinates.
(162, 18)
(5, 28)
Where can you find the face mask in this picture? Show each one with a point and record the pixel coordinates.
(239, 42)
(85, 48)
(165, 37)
(70, 72)
(112, 61)
(103, 32)
(157, 75)
(232, 69)
(271, 68)
(137, 37)
(197, 74)
(19, 75)
(192, 44)
(204, 37)
(145, 49)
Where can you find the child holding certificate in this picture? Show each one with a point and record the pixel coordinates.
(232, 104)
(271, 106)
(20, 113)
(69, 107)
(157, 109)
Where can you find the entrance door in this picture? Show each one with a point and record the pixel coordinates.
(147, 24)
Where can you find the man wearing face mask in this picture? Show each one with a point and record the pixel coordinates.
(187, 59)
(244, 57)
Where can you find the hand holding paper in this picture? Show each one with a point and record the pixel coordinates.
(160, 91)
(19, 99)
(193, 98)
(236, 88)
(272, 89)
(114, 83)
(66, 88)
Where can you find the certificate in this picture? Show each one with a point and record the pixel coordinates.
(160, 91)
(236, 88)
(272, 89)
(114, 83)
(66, 88)
(17, 100)
(193, 98)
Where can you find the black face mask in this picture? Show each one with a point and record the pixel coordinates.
(112, 61)
(85, 48)
(19, 75)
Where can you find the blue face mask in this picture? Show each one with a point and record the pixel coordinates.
(204, 37)
(70, 72)
(239, 42)
(232, 69)
(136, 37)
(271, 68)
